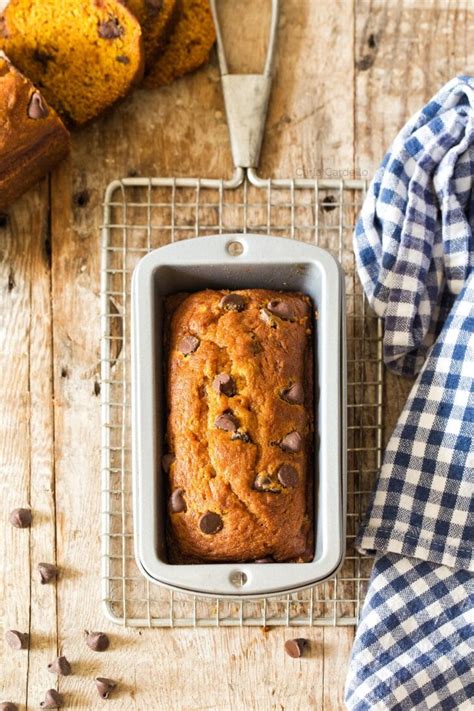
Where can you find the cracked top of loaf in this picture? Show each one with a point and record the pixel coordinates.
(239, 373)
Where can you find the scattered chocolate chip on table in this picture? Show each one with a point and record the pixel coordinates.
(296, 647)
(21, 518)
(97, 641)
(16, 640)
(105, 686)
(52, 700)
(48, 572)
(60, 666)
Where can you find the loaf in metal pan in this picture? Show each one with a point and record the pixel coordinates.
(240, 426)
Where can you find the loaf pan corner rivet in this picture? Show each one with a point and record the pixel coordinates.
(238, 578)
(235, 248)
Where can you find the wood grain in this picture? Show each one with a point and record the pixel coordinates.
(348, 74)
(17, 271)
(43, 611)
(27, 436)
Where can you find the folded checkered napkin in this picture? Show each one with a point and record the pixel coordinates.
(414, 644)
(423, 501)
(414, 647)
(413, 241)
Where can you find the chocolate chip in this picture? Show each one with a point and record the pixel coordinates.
(98, 641)
(294, 394)
(188, 344)
(42, 57)
(232, 302)
(122, 59)
(155, 4)
(105, 686)
(296, 647)
(243, 436)
(8, 706)
(21, 518)
(60, 666)
(177, 502)
(166, 462)
(287, 476)
(263, 482)
(52, 700)
(291, 442)
(255, 346)
(16, 640)
(48, 572)
(110, 29)
(36, 107)
(224, 384)
(282, 309)
(267, 318)
(210, 522)
(227, 422)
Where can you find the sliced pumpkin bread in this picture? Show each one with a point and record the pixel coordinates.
(188, 47)
(32, 136)
(157, 19)
(82, 55)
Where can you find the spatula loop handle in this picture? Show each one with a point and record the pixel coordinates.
(246, 97)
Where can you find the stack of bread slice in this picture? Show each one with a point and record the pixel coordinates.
(81, 58)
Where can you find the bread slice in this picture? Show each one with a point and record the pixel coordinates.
(157, 19)
(188, 47)
(83, 56)
(32, 136)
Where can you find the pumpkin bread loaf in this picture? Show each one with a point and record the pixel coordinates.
(157, 19)
(83, 56)
(188, 47)
(32, 137)
(240, 426)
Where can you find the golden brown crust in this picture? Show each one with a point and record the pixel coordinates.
(32, 137)
(219, 468)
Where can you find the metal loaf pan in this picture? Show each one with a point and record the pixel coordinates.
(215, 263)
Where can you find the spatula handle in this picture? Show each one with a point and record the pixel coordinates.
(246, 97)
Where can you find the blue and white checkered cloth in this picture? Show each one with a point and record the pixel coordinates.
(414, 647)
(413, 241)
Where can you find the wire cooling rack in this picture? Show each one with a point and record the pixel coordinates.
(143, 214)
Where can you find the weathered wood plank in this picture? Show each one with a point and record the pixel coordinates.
(42, 474)
(26, 443)
(405, 52)
(217, 670)
(337, 648)
(14, 447)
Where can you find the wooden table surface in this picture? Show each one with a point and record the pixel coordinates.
(348, 74)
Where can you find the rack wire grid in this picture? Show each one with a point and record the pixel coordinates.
(143, 214)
